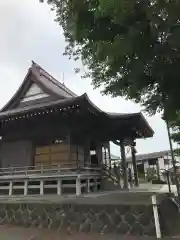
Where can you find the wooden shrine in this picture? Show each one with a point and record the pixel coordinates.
(46, 124)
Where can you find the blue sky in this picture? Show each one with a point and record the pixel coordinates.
(28, 32)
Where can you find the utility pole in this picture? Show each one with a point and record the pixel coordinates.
(165, 117)
(173, 160)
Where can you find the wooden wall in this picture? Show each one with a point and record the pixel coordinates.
(59, 154)
(16, 154)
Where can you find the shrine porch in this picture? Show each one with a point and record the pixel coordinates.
(40, 181)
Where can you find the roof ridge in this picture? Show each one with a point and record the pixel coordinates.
(44, 73)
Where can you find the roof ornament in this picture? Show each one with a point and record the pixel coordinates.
(35, 69)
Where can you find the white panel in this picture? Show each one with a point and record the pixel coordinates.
(33, 90)
(33, 93)
(38, 96)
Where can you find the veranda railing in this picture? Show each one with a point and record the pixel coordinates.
(28, 178)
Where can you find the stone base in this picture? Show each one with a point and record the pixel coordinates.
(134, 220)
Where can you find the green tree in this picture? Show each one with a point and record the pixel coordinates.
(175, 126)
(130, 47)
(151, 174)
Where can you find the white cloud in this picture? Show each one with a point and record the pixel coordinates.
(28, 32)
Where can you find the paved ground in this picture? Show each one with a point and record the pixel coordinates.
(17, 233)
(14, 233)
(112, 197)
(160, 188)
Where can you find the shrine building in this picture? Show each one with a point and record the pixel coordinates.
(49, 133)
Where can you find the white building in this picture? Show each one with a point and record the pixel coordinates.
(160, 161)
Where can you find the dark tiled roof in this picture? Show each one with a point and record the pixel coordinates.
(50, 82)
(135, 122)
(45, 81)
(60, 102)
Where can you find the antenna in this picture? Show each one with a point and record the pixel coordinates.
(63, 78)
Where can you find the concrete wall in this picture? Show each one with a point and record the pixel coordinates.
(169, 218)
(136, 220)
(16, 154)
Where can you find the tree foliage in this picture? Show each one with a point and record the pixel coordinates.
(175, 126)
(131, 47)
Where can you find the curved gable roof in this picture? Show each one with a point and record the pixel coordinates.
(43, 80)
(59, 95)
(135, 121)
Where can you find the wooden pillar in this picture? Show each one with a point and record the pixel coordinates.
(59, 187)
(109, 153)
(25, 187)
(99, 153)
(89, 152)
(69, 143)
(86, 153)
(77, 156)
(10, 188)
(41, 187)
(136, 179)
(157, 168)
(105, 156)
(78, 186)
(95, 185)
(124, 167)
(88, 186)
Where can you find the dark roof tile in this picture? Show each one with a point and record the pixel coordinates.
(64, 96)
(45, 81)
(50, 82)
